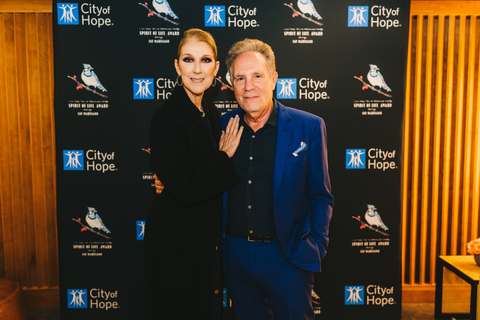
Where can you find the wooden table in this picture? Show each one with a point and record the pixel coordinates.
(13, 305)
(456, 289)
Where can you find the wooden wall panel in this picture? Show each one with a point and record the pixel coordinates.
(27, 163)
(25, 6)
(441, 167)
(5, 204)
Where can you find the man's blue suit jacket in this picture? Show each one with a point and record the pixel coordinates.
(302, 197)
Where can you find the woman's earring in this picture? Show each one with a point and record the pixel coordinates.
(214, 81)
(179, 83)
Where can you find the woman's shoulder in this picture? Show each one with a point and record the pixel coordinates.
(169, 109)
(165, 118)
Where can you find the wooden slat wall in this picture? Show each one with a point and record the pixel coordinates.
(441, 171)
(28, 240)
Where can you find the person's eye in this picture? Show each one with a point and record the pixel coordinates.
(238, 79)
(187, 59)
(206, 60)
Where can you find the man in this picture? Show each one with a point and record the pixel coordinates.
(276, 219)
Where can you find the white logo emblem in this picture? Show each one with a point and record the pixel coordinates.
(356, 156)
(358, 17)
(215, 19)
(287, 91)
(143, 87)
(68, 17)
(73, 162)
(354, 297)
(140, 230)
(77, 299)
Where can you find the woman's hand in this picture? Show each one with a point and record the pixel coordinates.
(158, 185)
(231, 137)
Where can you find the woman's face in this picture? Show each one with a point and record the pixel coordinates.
(197, 67)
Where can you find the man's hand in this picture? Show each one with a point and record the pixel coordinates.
(158, 185)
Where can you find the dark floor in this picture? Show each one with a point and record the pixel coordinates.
(44, 313)
(410, 311)
(418, 311)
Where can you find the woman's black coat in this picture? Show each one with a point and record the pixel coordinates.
(183, 224)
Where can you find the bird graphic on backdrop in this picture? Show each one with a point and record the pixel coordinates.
(376, 79)
(228, 77)
(373, 218)
(162, 6)
(307, 7)
(94, 220)
(90, 78)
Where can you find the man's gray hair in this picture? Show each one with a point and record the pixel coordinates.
(251, 45)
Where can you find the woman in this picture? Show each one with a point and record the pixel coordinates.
(190, 156)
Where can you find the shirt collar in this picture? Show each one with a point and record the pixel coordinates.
(272, 120)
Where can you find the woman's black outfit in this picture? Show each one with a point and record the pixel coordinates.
(183, 224)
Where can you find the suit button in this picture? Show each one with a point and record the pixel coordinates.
(251, 158)
(253, 136)
(249, 207)
(249, 181)
(216, 291)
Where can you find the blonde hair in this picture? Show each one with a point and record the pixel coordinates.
(249, 45)
(199, 35)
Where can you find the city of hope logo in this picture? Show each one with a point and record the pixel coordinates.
(354, 295)
(140, 229)
(67, 13)
(214, 16)
(143, 89)
(287, 88)
(91, 14)
(77, 298)
(73, 160)
(358, 16)
(355, 159)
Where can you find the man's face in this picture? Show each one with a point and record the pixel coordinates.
(252, 83)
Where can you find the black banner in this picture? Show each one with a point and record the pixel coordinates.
(340, 60)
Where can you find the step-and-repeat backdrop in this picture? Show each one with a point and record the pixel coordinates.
(341, 60)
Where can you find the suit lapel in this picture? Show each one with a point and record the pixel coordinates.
(284, 131)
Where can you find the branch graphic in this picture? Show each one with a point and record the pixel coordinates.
(364, 225)
(90, 229)
(298, 13)
(153, 13)
(366, 86)
(81, 85)
(224, 85)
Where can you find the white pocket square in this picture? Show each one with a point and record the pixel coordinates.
(302, 148)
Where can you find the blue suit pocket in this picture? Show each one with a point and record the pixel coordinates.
(301, 157)
(303, 229)
(305, 236)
